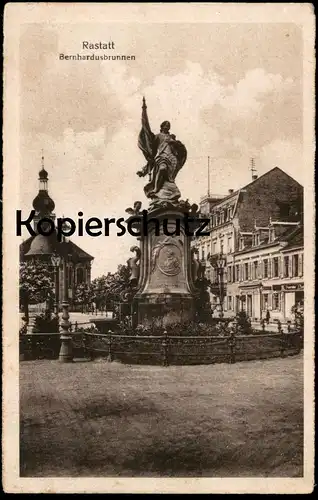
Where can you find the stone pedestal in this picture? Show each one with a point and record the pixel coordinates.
(165, 288)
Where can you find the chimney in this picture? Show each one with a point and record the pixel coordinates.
(231, 191)
(254, 177)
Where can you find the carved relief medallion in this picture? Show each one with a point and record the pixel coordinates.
(166, 256)
(169, 260)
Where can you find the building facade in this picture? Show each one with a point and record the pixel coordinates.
(266, 278)
(250, 227)
(44, 247)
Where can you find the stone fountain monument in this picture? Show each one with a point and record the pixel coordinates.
(164, 269)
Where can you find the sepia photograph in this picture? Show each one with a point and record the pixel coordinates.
(158, 257)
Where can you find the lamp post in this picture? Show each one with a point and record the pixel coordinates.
(66, 350)
(56, 262)
(218, 262)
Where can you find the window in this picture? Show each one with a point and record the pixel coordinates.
(286, 267)
(70, 276)
(301, 260)
(255, 269)
(265, 301)
(229, 274)
(276, 301)
(229, 303)
(275, 267)
(295, 265)
(80, 276)
(246, 271)
(265, 262)
(203, 254)
(241, 244)
(222, 246)
(229, 244)
(237, 272)
(214, 246)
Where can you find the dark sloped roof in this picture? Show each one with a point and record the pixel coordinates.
(74, 250)
(295, 238)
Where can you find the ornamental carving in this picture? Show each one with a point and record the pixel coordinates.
(167, 256)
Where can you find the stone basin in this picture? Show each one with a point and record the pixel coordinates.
(105, 324)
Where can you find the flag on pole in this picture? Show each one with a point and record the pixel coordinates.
(146, 137)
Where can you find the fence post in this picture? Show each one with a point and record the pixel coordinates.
(76, 325)
(165, 349)
(110, 353)
(232, 341)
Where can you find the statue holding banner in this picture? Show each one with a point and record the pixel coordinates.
(165, 157)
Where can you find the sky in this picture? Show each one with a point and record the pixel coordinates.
(231, 92)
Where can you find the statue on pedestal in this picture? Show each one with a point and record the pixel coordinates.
(165, 157)
(133, 266)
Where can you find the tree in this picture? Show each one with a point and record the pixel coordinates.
(83, 295)
(107, 289)
(298, 312)
(36, 284)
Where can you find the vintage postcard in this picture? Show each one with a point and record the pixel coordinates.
(158, 259)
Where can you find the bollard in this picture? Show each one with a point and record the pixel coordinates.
(232, 342)
(165, 348)
(283, 338)
(110, 353)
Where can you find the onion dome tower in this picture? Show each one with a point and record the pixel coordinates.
(43, 203)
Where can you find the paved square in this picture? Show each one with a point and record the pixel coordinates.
(109, 419)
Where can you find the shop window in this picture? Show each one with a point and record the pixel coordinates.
(276, 301)
(265, 301)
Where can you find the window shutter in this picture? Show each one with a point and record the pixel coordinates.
(241, 272)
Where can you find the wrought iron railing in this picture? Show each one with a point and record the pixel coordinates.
(168, 349)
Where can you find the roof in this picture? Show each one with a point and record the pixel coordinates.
(255, 181)
(295, 238)
(73, 250)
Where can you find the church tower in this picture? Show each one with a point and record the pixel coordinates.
(43, 203)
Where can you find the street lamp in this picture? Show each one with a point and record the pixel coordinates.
(56, 262)
(218, 262)
(66, 350)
